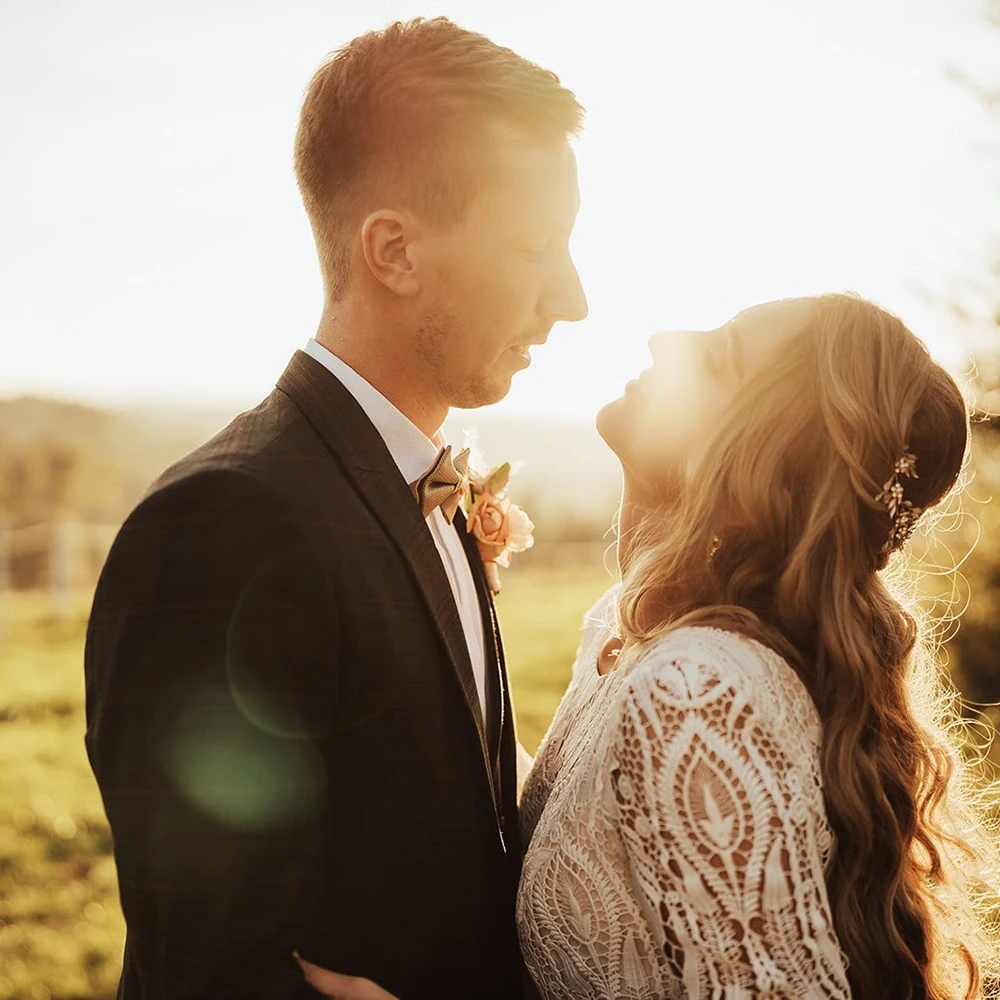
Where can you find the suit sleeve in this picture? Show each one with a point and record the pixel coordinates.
(212, 673)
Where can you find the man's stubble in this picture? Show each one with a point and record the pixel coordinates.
(439, 341)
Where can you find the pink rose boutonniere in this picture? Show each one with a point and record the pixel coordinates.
(499, 526)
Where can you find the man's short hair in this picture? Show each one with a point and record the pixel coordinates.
(403, 112)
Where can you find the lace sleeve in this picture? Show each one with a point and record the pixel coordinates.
(717, 802)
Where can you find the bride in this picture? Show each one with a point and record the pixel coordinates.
(748, 788)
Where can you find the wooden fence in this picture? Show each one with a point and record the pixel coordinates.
(61, 558)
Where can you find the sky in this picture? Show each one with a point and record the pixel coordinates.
(153, 247)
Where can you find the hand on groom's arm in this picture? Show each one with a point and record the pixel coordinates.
(340, 987)
(212, 673)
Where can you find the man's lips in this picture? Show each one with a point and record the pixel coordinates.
(524, 349)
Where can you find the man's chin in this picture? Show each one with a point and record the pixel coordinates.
(484, 393)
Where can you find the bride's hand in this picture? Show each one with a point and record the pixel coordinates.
(338, 987)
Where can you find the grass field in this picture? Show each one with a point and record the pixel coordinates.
(61, 929)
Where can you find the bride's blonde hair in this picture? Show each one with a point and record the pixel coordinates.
(778, 535)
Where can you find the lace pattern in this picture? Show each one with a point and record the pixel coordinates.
(678, 838)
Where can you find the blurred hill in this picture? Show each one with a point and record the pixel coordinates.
(563, 474)
(62, 460)
(67, 462)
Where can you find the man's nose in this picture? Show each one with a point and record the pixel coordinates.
(568, 301)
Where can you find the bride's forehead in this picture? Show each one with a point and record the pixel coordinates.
(778, 310)
(762, 327)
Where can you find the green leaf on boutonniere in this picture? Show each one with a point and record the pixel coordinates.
(498, 479)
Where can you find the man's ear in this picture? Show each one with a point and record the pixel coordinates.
(385, 243)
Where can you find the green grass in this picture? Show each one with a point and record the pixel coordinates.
(541, 611)
(61, 928)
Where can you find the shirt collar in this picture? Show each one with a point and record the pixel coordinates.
(411, 449)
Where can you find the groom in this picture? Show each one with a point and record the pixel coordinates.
(297, 708)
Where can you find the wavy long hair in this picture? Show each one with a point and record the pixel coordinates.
(777, 535)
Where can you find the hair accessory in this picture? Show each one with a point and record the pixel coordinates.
(902, 513)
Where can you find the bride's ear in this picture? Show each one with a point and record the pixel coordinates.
(386, 237)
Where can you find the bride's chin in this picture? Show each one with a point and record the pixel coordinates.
(612, 426)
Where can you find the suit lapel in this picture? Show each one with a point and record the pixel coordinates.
(345, 429)
(500, 717)
(495, 681)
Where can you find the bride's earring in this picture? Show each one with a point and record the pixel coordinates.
(607, 659)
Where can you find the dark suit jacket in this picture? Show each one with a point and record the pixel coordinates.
(284, 724)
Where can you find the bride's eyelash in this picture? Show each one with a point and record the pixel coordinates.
(710, 360)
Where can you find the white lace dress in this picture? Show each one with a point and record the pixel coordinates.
(675, 827)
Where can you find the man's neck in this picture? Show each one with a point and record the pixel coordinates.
(370, 354)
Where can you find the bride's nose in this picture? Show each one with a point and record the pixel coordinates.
(665, 343)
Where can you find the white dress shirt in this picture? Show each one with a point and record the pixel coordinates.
(414, 452)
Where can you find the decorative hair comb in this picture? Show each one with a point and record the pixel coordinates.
(902, 513)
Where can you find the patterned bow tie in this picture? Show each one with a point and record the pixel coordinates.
(443, 484)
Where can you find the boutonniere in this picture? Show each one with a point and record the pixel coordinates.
(500, 527)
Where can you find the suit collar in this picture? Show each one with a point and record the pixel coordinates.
(335, 415)
(341, 423)
(411, 449)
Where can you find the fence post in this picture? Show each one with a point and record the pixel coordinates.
(60, 556)
(5, 579)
